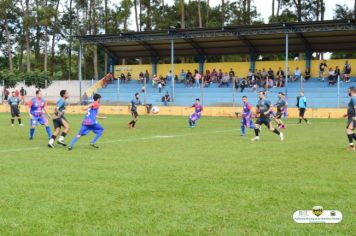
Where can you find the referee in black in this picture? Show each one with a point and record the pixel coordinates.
(14, 103)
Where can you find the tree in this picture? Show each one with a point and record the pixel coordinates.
(26, 25)
(7, 5)
(342, 12)
(199, 15)
(37, 78)
(182, 15)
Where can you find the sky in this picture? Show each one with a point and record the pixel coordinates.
(263, 7)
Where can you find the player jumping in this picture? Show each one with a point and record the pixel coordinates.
(263, 111)
(59, 120)
(90, 123)
(197, 114)
(133, 109)
(246, 120)
(351, 119)
(14, 103)
(36, 106)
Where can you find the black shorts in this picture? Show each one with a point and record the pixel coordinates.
(351, 121)
(264, 120)
(301, 112)
(15, 111)
(134, 114)
(278, 114)
(58, 123)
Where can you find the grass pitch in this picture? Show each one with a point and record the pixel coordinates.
(166, 179)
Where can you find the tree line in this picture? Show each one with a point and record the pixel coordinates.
(37, 36)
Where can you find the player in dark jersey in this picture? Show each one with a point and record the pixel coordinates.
(90, 123)
(351, 119)
(263, 112)
(59, 120)
(14, 103)
(37, 106)
(133, 109)
(281, 105)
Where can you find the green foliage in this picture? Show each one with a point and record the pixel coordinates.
(37, 78)
(10, 79)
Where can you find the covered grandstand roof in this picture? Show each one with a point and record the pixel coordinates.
(325, 36)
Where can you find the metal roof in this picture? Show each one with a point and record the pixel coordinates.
(323, 36)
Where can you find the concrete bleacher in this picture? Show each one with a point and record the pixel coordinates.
(319, 94)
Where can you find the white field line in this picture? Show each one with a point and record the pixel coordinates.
(123, 140)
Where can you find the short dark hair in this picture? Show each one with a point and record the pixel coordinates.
(136, 94)
(353, 89)
(38, 91)
(13, 92)
(62, 92)
(281, 93)
(96, 97)
(197, 99)
(244, 96)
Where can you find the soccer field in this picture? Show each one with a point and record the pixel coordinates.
(163, 178)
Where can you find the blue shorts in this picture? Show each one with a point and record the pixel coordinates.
(96, 128)
(264, 120)
(247, 122)
(195, 117)
(38, 120)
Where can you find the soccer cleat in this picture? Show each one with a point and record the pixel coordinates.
(61, 142)
(351, 148)
(257, 138)
(50, 145)
(281, 136)
(93, 145)
(70, 148)
(21, 125)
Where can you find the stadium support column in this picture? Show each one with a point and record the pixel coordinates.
(172, 67)
(201, 64)
(286, 69)
(308, 56)
(154, 61)
(80, 70)
(252, 61)
(111, 65)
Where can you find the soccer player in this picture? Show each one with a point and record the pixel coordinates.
(263, 111)
(90, 123)
(59, 120)
(133, 108)
(351, 119)
(302, 106)
(246, 120)
(36, 106)
(197, 114)
(14, 103)
(281, 105)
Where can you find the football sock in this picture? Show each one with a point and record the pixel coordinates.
(276, 131)
(32, 132)
(74, 141)
(257, 132)
(351, 139)
(306, 120)
(355, 136)
(12, 121)
(97, 136)
(48, 130)
(300, 120)
(242, 129)
(53, 137)
(19, 120)
(133, 123)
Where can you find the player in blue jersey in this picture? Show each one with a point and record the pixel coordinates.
(351, 119)
(246, 120)
(59, 120)
(36, 107)
(133, 109)
(14, 103)
(197, 114)
(302, 106)
(90, 123)
(263, 112)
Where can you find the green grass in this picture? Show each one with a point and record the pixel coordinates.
(202, 181)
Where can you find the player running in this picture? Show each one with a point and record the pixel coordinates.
(246, 120)
(60, 121)
(14, 103)
(263, 111)
(36, 107)
(133, 109)
(351, 119)
(281, 105)
(197, 114)
(90, 123)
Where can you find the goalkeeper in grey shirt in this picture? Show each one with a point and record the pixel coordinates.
(14, 103)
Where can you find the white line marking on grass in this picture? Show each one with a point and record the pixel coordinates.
(124, 140)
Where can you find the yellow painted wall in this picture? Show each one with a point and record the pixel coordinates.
(240, 68)
(181, 111)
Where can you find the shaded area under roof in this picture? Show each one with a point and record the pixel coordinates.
(325, 36)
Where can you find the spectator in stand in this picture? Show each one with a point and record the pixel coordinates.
(197, 77)
(189, 79)
(307, 74)
(337, 73)
(182, 76)
(243, 84)
(23, 94)
(155, 80)
(169, 76)
(122, 78)
(280, 78)
(225, 80)
(6, 95)
(85, 99)
(220, 76)
(214, 75)
(270, 74)
(147, 76)
(347, 72)
(231, 74)
(332, 79)
(17, 93)
(270, 83)
(176, 79)
(297, 75)
(128, 76)
(141, 77)
(322, 67)
(166, 99)
(207, 78)
(264, 74)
